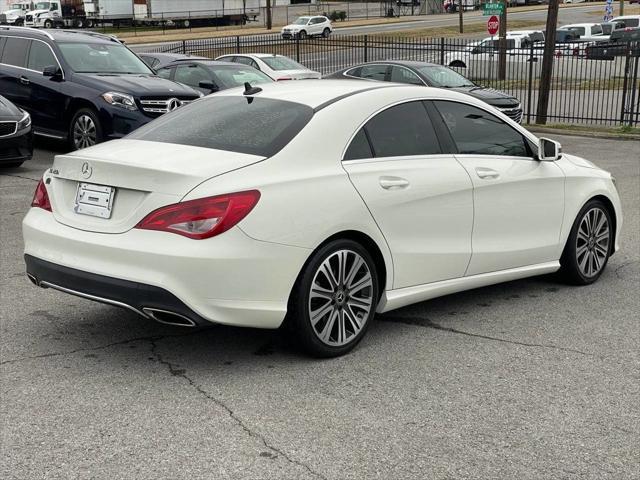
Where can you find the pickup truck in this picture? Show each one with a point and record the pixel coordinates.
(621, 42)
(587, 32)
(518, 46)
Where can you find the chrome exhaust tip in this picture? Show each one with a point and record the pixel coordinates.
(33, 279)
(168, 318)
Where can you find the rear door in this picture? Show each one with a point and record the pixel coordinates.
(420, 197)
(13, 74)
(518, 200)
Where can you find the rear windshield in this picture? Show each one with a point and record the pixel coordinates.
(256, 126)
(282, 63)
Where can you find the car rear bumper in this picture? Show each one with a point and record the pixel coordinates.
(229, 279)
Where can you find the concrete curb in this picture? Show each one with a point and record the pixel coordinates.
(583, 133)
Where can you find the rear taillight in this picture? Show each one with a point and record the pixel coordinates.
(41, 197)
(284, 78)
(204, 217)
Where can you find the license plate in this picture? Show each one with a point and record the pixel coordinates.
(94, 200)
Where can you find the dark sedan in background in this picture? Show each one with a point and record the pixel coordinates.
(432, 75)
(16, 136)
(210, 76)
(159, 60)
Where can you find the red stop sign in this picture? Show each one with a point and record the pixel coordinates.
(493, 24)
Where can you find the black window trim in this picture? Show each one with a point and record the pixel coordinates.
(424, 84)
(527, 140)
(29, 51)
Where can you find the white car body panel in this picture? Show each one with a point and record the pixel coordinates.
(245, 275)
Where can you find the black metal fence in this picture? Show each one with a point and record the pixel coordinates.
(590, 85)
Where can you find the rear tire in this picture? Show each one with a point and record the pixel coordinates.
(326, 32)
(588, 247)
(334, 299)
(84, 129)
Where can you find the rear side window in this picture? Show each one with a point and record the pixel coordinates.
(402, 130)
(15, 52)
(359, 147)
(631, 22)
(256, 126)
(40, 56)
(374, 72)
(477, 132)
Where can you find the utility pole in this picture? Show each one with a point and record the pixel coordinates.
(621, 8)
(502, 44)
(547, 62)
(269, 15)
(461, 8)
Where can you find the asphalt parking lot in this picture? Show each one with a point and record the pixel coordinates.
(530, 379)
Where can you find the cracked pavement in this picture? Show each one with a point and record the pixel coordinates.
(530, 379)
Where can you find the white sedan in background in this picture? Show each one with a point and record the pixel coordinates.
(316, 207)
(305, 27)
(278, 67)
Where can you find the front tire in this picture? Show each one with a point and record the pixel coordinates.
(48, 24)
(589, 245)
(334, 299)
(85, 129)
(302, 35)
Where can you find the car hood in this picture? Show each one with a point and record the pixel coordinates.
(293, 27)
(489, 95)
(8, 111)
(136, 85)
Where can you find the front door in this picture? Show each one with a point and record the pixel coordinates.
(518, 200)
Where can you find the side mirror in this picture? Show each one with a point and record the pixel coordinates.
(52, 71)
(208, 85)
(548, 150)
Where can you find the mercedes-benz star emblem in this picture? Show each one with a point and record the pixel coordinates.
(172, 104)
(86, 170)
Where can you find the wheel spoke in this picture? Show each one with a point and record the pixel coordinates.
(355, 267)
(325, 335)
(325, 268)
(581, 250)
(359, 302)
(318, 292)
(320, 312)
(362, 283)
(353, 318)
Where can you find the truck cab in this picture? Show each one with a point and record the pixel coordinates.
(43, 14)
(14, 15)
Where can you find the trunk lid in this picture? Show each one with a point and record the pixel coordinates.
(143, 176)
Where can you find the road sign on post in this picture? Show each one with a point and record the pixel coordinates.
(492, 9)
(493, 24)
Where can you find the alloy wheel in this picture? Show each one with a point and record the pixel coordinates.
(84, 132)
(592, 242)
(340, 298)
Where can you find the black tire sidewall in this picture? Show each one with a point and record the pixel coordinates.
(569, 263)
(94, 116)
(326, 32)
(299, 322)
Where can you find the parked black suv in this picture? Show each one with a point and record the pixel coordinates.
(82, 87)
(16, 136)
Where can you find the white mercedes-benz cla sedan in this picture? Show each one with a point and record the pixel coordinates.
(315, 205)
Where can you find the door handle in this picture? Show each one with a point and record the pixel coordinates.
(24, 80)
(487, 172)
(393, 183)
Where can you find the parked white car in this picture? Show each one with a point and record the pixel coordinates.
(517, 41)
(278, 67)
(305, 27)
(319, 205)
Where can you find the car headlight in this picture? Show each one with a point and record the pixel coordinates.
(25, 121)
(120, 100)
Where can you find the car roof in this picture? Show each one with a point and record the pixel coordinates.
(66, 36)
(579, 25)
(214, 63)
(320, 93)
(403, 63)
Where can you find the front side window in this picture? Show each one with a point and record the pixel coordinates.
(165, 72)
(301, 21)
(40, 56)
(404, 75)
(192, 75)
(102, 58)
(476, 132)
(255, 126)
(402, 130)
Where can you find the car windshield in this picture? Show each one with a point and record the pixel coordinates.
(302, 21)
(42, 6)
(444, 77)
(251, 125)
(102, 58)
(282, 63)
(231, 76)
